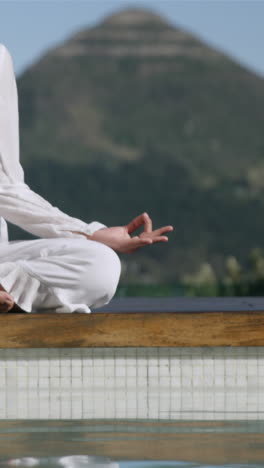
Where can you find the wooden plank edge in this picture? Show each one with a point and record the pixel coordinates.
(190, 329)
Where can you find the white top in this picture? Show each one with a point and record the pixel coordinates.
(18, 203)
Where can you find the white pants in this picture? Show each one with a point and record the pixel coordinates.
(62, 274)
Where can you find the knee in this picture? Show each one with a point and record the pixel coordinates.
(110, 267)
(107, 270)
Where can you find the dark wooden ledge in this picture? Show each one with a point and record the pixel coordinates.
(158, 323)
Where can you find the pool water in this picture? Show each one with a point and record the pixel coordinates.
(131, 443)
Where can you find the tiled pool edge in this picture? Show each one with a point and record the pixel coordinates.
(184, 383)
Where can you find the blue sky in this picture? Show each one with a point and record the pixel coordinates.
(29, 28)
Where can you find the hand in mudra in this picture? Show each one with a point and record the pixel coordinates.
(119, 238)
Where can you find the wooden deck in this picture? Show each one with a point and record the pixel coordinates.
(142, 322)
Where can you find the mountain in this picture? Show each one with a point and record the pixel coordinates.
(137, 115)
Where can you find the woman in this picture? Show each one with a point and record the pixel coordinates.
(74, 265)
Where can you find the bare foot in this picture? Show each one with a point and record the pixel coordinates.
(6, 302)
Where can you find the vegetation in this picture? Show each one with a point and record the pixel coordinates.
(236, 281)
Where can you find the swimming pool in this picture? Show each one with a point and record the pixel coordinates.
(129, 444)
(117, 405)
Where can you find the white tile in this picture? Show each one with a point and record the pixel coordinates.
(160, 383)
(55, 382)
(131, 382)
(186, 381)
(109, 371)
(99, 382)
(54, 371)
(33, 382)
(142, 371)
(88, 371)
(99, 372)
(43, 371)
(44, 382)
(131, 371)
(76, 382)
(22, 382)
(153, 371)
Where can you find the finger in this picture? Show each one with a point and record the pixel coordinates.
(138, 244)
(162, 230)
(160, 239)
(136, 223)
(140, 241)
(148, 223)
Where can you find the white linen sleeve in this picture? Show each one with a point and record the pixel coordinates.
(18, 203)
(23, 207)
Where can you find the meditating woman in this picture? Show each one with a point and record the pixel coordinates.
(74, 266)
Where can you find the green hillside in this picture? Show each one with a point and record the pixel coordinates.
(136, 115)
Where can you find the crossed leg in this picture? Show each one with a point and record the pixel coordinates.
(60, 274)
